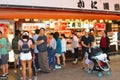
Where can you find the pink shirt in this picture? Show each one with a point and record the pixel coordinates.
(21, 43)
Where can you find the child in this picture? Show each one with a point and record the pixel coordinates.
(88, 62)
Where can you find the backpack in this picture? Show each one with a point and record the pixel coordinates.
(25, 47)
(15, 45)
(8, 46)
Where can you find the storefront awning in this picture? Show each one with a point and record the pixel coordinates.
(8, 13)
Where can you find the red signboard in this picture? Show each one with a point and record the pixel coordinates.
(60, 25)
(100, 26)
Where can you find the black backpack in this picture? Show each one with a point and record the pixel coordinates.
(15, 45)
(25, 47)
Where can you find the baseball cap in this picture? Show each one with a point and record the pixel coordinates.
(26, 33)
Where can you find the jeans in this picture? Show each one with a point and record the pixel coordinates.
(75, 55)
(36, 61)
(51, 57)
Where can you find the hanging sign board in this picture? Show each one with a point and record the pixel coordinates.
(32, 26)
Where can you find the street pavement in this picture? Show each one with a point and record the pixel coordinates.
(74, 72)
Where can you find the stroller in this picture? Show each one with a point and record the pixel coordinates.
(100, 61)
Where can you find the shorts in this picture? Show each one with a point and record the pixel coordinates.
(4, 59)
(25, 56)
(63, 52)
(16, 56)
(84, 53)
(58, 54)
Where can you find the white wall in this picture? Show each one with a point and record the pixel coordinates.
(63, 3)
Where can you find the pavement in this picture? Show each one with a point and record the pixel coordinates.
(74, 72)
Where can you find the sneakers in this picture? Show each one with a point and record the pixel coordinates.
(58, 67)
(63, 64)
(75, 61)
(20, 68)
(15, 71)
(7, 74)
(4, 76)
(38, 69)
(83, 68)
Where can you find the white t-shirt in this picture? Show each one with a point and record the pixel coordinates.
(64, 45)
(75, 42)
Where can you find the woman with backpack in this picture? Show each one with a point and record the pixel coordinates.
(24, 45)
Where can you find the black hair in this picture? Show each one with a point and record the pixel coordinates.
(0, 32)
(56, 35)
(51, 34)
(37, 31)
(17, 32)
(63, 35)
(105, 32)
(42, 29)
(25, 36)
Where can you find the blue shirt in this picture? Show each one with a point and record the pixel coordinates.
(59, 46)
(35, 38)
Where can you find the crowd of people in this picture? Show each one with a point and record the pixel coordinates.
(45, 51)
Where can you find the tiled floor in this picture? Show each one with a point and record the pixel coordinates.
(74, 72)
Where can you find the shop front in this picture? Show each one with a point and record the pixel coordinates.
(62, 16)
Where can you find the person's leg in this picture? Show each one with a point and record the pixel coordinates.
(23, 63)
(83, 58)
(58, 59)
(107, 50)
(6, 69)
(36, 61)
(58, 66)
(45, 62)
(4, 59)
(15, 62)
(63, 56)
(3, 69)
(29, 62)
(75, 55)
(40, 60)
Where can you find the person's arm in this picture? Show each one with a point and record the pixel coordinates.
(108, 40)
(83, 44)
(39, 41)
(19, 45)
(87, 46)
(31, 44)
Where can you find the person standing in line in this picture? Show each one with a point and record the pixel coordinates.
(43, 54)
(87, 42)
(105, 43)
(4, 56)
(75, 44)
(15, 49)
(58, 50)
(52, 51)
(64, 48)
(24, 46)
(37, 31)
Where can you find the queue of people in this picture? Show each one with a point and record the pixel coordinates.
(46, 53)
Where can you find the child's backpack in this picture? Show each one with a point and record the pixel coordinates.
(25, 47)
